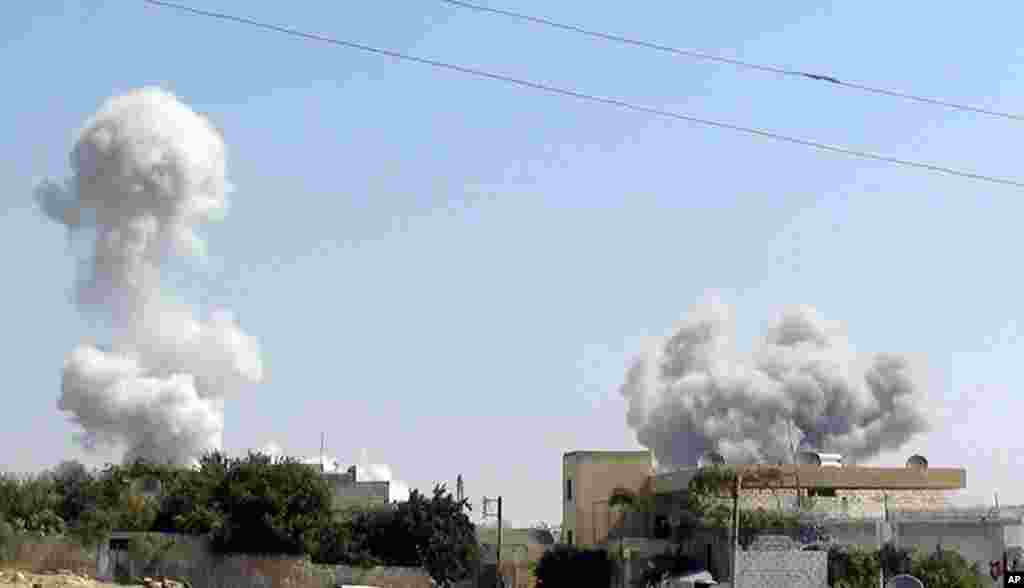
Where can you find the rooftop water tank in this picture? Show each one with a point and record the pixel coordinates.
(825, 460)
(917, 462)
(710, 458)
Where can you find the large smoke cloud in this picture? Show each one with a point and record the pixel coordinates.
(147, 171)
(693, 392)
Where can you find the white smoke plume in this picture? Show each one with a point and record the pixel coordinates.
(805, 386)
(147, 172)
(272, 449)
(378, 472)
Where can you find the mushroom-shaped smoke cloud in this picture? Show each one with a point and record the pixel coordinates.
(147, 172)
(694, 393)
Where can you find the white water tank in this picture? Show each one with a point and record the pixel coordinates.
(833, 460)
(825, 460)
(710, 458)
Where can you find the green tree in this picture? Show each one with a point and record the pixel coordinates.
(640, 502)
(333, 542)
(271, 506)
(30, 504)
(709, 503)
(443, 537)
(365, 538)
(76, 490)
(188, 504)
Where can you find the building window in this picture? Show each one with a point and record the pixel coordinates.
(662, 530)
(568, 537)
(568, 490)
(821, 492)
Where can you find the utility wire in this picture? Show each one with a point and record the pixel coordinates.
(592, 98)
(735, 62)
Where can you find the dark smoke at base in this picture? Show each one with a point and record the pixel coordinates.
(148, 171)
(805, 387)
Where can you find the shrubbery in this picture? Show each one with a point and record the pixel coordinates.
(851, 567)
(255, 504)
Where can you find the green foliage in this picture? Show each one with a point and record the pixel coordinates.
(622, 497)
(852, 567)
(271, 506)
(706, 489)
(255, 504)
(642, 501)
(188, 504)
(708, 505)
(895, 560)
(947, 569)
(30, 505)
(446, 538)
(565, 565)
(8, 541)
(433, 532)
(333, 542)
(361, 540)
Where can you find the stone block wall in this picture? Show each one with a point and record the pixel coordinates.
(850, 503)
(902, 499)
(781, 569)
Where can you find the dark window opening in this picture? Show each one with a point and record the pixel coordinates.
(568, 490)
(568, 537)
(822, 492)
(662, 530)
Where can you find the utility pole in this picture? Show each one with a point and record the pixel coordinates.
(323, 441)
(486, 514)
(736, 528)
(458, 490)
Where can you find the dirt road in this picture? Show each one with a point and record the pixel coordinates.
(56, 579)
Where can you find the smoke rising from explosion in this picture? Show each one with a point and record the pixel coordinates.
(805, 386)
(147, 171)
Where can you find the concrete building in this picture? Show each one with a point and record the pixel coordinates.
(867, 506)
(347, 491)
(839, 492)
(588, 479)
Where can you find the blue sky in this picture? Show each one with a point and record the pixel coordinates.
(452, 273)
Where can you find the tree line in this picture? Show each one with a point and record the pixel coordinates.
(255, 504)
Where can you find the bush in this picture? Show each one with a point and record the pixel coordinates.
(947, 569)
(270, 506)
(896, 561)
(570, 566)
(852, 567)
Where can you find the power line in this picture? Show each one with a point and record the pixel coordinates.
(735, 62)
(592, 98)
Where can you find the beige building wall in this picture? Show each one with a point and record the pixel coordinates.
(593, 475)
(868, 504)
